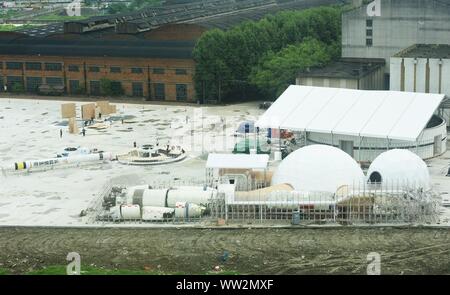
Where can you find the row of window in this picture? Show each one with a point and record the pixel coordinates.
(32, 83)
(37, 66)
(32, 66)
(159, 90)
(137, 88)
(369, 32)
(156, 71)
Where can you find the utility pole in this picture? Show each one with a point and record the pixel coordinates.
(220, 99)
(204, 90)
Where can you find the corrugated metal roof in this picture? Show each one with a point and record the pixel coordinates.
(221, 14)
(128, 48)
(426, 51)
(345, 68)
(228, 20)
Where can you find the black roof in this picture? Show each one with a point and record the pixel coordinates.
(426, 51)
(348, 68)
(97, 48)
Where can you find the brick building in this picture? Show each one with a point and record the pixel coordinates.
(154, 70)
(145, 54)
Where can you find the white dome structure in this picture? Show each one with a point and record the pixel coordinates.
(318, 168)
(399, 168)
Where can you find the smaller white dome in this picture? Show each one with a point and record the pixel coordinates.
(399, 168)
(318, 168)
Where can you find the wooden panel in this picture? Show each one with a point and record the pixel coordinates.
(68, 110)
(112, 109)
(104, 107)
(88, 111)
(73, 127)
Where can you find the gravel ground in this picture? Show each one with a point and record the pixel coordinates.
(250, 251)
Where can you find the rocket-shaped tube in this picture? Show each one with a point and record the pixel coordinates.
(36, 164)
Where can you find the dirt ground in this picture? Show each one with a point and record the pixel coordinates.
(246, 251)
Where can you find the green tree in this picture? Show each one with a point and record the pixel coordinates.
(278, 70)
(211, 71)
(226, 59)
(117, 8)
(133, 6)
(17, 87)
(110, 88)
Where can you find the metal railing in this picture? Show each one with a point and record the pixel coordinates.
(366, 205)
(369, 208)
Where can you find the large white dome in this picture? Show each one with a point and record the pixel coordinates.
(399, 168)
(318, 168)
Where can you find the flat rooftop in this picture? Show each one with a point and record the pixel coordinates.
(426, 51)
(348, 68)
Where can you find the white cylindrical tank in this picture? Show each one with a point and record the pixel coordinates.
(143, 196)
(318, 168)
(398, 169)
(132, 191)
(156, 213)
(188, 210)
(115, 212)
(130, 211)
(197, 195)
(154, 197)
(293, 200)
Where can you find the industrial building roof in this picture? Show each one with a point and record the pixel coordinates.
(426, 51)
(42, 31)
(348, 68)
(228, 20)
(211, 14)
(377, 114)
(237, 161)
(126, 48)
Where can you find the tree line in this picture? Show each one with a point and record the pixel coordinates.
(133, 6)
(258, 60)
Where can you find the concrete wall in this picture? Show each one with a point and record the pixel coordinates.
(367, 149)
(328, 82)
(408, 74)
(374, 81)
(402, 23)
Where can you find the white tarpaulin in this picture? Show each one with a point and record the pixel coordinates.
(237, 161)
(378, 114)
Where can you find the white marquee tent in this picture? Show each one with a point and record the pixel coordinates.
(373, 114)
